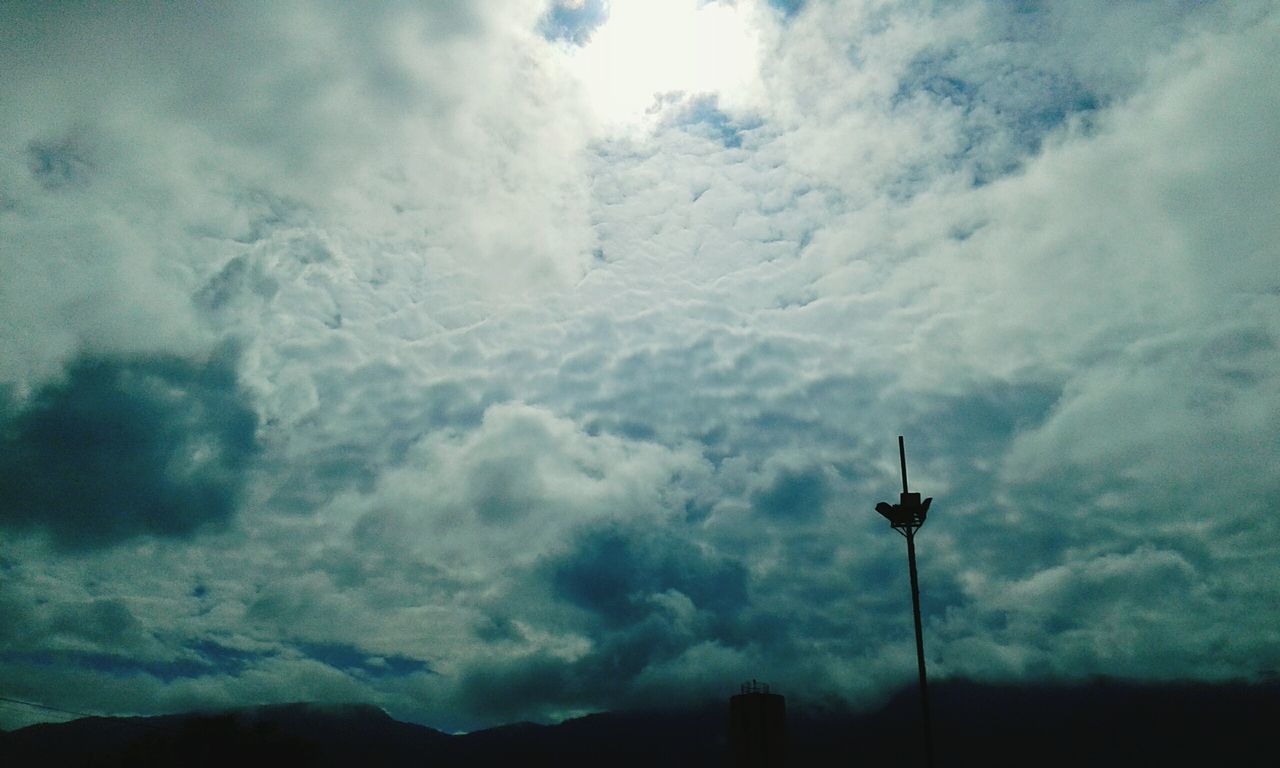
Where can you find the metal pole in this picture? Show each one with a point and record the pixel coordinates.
(910, 532)
(924, 683)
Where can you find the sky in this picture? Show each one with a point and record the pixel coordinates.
(511, 361)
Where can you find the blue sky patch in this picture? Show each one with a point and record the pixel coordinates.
(355, 661)
(574, 21)
(1008, 110)
(789, 8)
(701, 115)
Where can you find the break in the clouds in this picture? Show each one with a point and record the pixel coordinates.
(574, 20)
(508, 362)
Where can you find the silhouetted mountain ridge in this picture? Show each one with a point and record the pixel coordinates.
(1101, 723)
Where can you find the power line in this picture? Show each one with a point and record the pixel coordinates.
(144, 721)
(47, 707)
(30, 717)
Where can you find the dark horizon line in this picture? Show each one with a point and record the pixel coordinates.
(800, 705)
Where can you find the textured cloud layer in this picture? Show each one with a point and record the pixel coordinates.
(529, 418)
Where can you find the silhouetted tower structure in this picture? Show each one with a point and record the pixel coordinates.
(757, 727)
(906, 517)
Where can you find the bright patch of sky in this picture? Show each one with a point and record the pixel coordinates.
(648, 48)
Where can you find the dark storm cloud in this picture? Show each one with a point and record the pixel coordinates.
(118, 647)
(794, 494)
(968, 430)
(612, 571)
(102, 622)
(651, 596)
(127, 446)
(508, 688)
(115, 665)
(989, 413)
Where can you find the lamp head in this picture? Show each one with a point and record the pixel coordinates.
(909, 512)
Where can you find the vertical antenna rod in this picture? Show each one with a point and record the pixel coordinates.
(902, 457)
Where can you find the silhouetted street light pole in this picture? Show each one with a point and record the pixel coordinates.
(906, 517)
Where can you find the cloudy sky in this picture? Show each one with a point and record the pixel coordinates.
(515, 360)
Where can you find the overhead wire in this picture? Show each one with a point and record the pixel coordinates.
(47, 707)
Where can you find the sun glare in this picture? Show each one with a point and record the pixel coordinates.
(651, 47)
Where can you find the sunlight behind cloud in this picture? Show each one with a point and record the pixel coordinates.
(650, 47)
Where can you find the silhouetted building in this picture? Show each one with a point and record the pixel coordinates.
(757, 728)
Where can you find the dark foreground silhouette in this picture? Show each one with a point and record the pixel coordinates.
(1104, 723)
